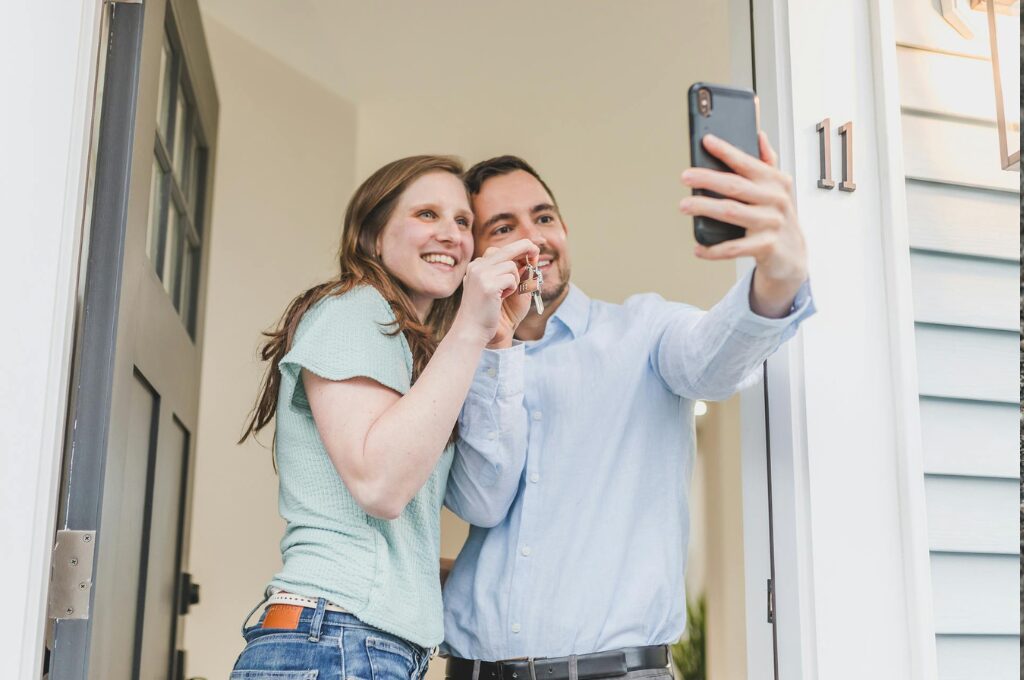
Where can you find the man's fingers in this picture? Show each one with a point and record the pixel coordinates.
(731, 185)
(753, 217)
(768, 154)
(740, 161)
(752, 245)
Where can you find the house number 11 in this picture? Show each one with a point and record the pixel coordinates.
(825, 181)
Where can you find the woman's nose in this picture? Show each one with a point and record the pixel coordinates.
(447, 231)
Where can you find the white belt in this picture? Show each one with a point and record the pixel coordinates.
(281, 597)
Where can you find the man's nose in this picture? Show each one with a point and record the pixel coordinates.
(534, 233)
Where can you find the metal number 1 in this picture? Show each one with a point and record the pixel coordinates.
(825, 154)
(846, 132)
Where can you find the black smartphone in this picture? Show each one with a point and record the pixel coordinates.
(731, 114)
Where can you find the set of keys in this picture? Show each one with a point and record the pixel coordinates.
(533, 273)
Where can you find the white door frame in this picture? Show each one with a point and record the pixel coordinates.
(52, 56)
(815, 457)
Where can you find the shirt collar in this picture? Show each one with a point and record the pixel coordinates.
(574, 312)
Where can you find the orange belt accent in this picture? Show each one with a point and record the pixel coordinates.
(284, 616)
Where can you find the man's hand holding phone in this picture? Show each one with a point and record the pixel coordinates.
(757, 196)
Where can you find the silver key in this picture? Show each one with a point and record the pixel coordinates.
(538, 302)
(534, 274)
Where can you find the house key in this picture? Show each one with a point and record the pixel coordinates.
(534, 274)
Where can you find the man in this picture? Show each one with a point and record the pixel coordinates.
(582, 434)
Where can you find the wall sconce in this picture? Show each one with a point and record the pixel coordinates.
(1005, 56)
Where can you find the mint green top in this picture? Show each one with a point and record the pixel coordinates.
(383, 572)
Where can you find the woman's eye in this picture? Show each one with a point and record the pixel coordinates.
(545, 219)
(463, 222)
(429, 214)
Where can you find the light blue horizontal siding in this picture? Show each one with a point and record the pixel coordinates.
(961, 437)
(962, 213)
(978, 657)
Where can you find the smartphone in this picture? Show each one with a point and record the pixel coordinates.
(731, 114)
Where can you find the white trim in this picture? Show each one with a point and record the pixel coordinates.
(909, 461)
(794, 587)
(61, 51)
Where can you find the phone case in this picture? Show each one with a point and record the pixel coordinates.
(733, 117)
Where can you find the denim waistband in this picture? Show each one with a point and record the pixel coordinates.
(314, 621)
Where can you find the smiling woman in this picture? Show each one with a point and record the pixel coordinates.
(365, 394)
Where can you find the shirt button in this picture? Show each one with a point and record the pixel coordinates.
(516, 628)
(537, 415)
(534, 477)
(491, 373)
(492, 435)
(526, 551)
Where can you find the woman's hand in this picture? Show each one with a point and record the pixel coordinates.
(514, 309)
(490, 306)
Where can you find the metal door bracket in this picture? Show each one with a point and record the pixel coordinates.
(71, 575)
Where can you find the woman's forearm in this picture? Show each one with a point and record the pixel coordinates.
(404, 444)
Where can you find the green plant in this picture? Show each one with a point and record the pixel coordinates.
(688, 654)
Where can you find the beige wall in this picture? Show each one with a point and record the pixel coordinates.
(611, 143)
(284, 172)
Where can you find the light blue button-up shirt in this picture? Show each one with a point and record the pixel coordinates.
(574, 465)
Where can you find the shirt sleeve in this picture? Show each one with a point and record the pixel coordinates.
(490, 451)
(713, 354)
(347, 336)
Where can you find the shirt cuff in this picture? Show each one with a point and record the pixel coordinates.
(500, 372)
(751, 323)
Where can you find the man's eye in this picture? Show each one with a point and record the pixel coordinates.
(545, 219)
(502, 230)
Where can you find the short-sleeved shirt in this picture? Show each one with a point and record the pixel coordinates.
(383, 572)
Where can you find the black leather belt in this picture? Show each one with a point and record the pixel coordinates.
(597, 665)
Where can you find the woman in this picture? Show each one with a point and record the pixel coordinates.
(366, 400)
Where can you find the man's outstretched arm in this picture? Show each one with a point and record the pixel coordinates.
(711, 354)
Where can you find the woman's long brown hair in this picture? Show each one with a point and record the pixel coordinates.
(359, 264)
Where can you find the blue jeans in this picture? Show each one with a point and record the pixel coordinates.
(327, 646)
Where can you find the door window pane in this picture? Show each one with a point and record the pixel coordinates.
(164, 94)
(157, 191)
(191, 164)
(181, 132)
(189, 276)
(172, 252)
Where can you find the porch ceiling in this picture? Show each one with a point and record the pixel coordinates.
(368, 49)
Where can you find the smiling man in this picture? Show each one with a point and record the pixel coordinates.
(577, 483)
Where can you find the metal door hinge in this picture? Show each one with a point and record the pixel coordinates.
(71, 575)
(122, 2)
(771, 603)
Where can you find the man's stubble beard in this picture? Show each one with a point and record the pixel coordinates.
(550, 295)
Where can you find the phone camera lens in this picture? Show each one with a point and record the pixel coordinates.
(704, 102)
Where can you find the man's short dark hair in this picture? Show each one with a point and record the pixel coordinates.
(500, 165)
